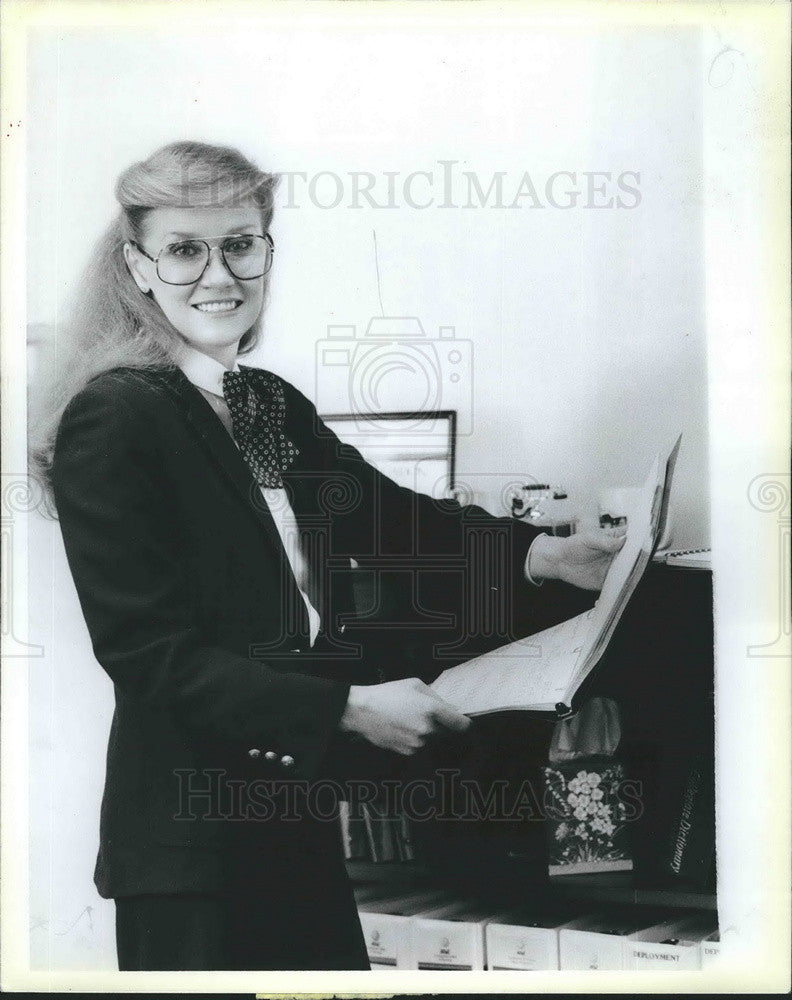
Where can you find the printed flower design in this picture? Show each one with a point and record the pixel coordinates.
(591, 798)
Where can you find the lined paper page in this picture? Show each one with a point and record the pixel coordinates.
(532, 673)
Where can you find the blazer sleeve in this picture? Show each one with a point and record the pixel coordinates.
(118, 532)
(461, 551)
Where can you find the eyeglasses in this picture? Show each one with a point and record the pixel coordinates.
(245, 256)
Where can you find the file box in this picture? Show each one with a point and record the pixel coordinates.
(598, 941)
(670, 946)
(525, 939)
(386, 926)
(452, 936)
(710, 950)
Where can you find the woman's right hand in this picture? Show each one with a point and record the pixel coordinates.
(400, 715)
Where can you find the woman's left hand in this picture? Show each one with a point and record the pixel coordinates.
(582, 560)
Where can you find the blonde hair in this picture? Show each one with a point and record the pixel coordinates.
(112, 323)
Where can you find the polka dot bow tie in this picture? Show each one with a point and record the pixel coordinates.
(258, 412)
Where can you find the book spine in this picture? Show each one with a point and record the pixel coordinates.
(405, 838)
(690, 848)
(344, 829)
(371, 838)
(358, 842)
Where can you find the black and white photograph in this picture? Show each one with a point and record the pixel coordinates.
(396, 497)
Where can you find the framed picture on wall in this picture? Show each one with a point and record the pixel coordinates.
(416, 450)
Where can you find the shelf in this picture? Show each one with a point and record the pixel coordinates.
(617, 887)
(610, 887)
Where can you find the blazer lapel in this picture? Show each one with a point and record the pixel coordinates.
(222, 450)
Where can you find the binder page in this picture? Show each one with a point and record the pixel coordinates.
(625, 571)
(532, 673)
(621, 573)
(547, 668)
(649, 524)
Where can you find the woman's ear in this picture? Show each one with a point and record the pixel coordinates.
(134, 261)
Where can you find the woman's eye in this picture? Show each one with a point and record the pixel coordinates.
(240, 244)
(184, 250)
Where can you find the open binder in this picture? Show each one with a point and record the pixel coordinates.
(544, 672)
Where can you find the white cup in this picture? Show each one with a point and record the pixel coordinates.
(617, 505)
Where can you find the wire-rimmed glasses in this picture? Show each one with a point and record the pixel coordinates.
(246, 256)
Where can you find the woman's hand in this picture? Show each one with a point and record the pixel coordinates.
(400, 715)
(582, 559)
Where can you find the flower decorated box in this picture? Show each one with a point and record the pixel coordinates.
(587, 807)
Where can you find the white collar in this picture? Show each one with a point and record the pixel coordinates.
(203, 371)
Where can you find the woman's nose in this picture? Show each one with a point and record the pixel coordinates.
(216, 272)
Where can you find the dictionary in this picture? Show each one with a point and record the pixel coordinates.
(683, 823)
(543, 673)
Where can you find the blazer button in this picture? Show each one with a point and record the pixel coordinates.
(270, 755)
(287, 760)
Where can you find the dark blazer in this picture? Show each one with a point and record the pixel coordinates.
(193, 612)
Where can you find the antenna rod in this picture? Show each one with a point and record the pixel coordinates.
(376, 265)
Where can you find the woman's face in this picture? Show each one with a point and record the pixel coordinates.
(215, 312)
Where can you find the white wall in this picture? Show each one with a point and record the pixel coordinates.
(586, 324)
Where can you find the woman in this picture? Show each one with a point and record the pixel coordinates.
(208, 516)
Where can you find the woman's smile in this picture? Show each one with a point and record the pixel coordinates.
(216, 310)
(218, 305)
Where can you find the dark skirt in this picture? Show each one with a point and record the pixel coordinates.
(279, 910)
